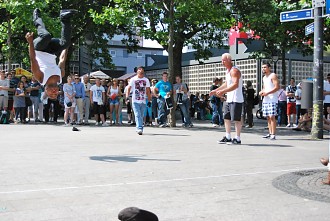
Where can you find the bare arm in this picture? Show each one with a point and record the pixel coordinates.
(213, 92)
(34, 63)
(62, 60)
(149, 94)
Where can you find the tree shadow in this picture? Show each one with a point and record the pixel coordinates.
(128, 159)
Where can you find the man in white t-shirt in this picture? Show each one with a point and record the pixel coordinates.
(326, 94)
(4, 87)
(97, 98)
(140, 87)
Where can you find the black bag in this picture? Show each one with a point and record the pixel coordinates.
(168, 101)
(179, 98)
(4, 118)
(28, 101)
(69, 104)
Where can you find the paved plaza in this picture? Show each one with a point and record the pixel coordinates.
(49, 172)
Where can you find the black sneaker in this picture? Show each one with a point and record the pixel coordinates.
(235, 142)
(224, 140)
(266, 136)
(67, 13)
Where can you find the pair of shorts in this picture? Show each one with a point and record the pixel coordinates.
(3, 102)
(113, 101)
(269, 109)
(233, 111)
(98, 109)
(291, 108)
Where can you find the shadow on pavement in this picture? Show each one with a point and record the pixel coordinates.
(267, 145)
(128, 159)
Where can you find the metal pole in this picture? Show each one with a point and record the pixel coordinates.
(317, 126)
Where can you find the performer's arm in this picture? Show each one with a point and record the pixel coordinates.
(62, 60)
(34, 63)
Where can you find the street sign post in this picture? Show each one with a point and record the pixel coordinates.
(309, 29)
(296, 15)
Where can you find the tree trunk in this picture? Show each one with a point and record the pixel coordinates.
(283, 67)
(9, 44)
(171, 61)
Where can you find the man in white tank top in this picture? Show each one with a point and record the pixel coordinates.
(270, 101)
(233, 110)
(44, 49)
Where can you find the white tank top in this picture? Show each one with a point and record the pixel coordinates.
(48, 66)
(237, 94)
(268, 86)
(113, 91)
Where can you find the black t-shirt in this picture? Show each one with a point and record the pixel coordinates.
(214, 99)
(34, 93)
(250, 94)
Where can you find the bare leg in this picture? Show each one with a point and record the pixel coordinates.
(66, 113)
(272, 125)
(238, 128)
(228, 126)
(72, 114)
(111, 111)
(102, 118)
(269, 125)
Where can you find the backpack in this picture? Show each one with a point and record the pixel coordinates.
(4, 117)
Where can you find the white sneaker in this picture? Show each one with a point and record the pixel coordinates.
(289, 125)
(215, 125)
(105, 124)
(294, 125)
(139, 132)
(97, 124)
(272, 137)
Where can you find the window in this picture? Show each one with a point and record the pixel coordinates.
(125, 53)
(113, 53)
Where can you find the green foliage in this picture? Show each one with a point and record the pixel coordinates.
(195, 21)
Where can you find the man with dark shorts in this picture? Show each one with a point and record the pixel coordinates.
(233, 110)
(97, 98)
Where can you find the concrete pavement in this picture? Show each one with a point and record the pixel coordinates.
(49, 172)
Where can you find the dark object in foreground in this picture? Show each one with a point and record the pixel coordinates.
(136, 214)
(75, 129)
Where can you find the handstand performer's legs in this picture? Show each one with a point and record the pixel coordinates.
(57, 45)
(42, 41)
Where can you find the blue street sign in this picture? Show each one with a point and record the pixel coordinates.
(327, 7)
(309, 29)
(296, 15)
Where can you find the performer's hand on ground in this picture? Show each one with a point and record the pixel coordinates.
(29, 37)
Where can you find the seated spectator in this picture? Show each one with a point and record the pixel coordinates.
(305, 122)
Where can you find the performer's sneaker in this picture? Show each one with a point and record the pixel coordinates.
(235, 142)
(67, 13)
(224, 140)
(36, 15)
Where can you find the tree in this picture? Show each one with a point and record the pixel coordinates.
(194, 22)
(279, 37)
(19, 20)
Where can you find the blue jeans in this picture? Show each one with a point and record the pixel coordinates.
(298, 111)
(138, 109)
(185, 111)
(162, 110)
(217, 114)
